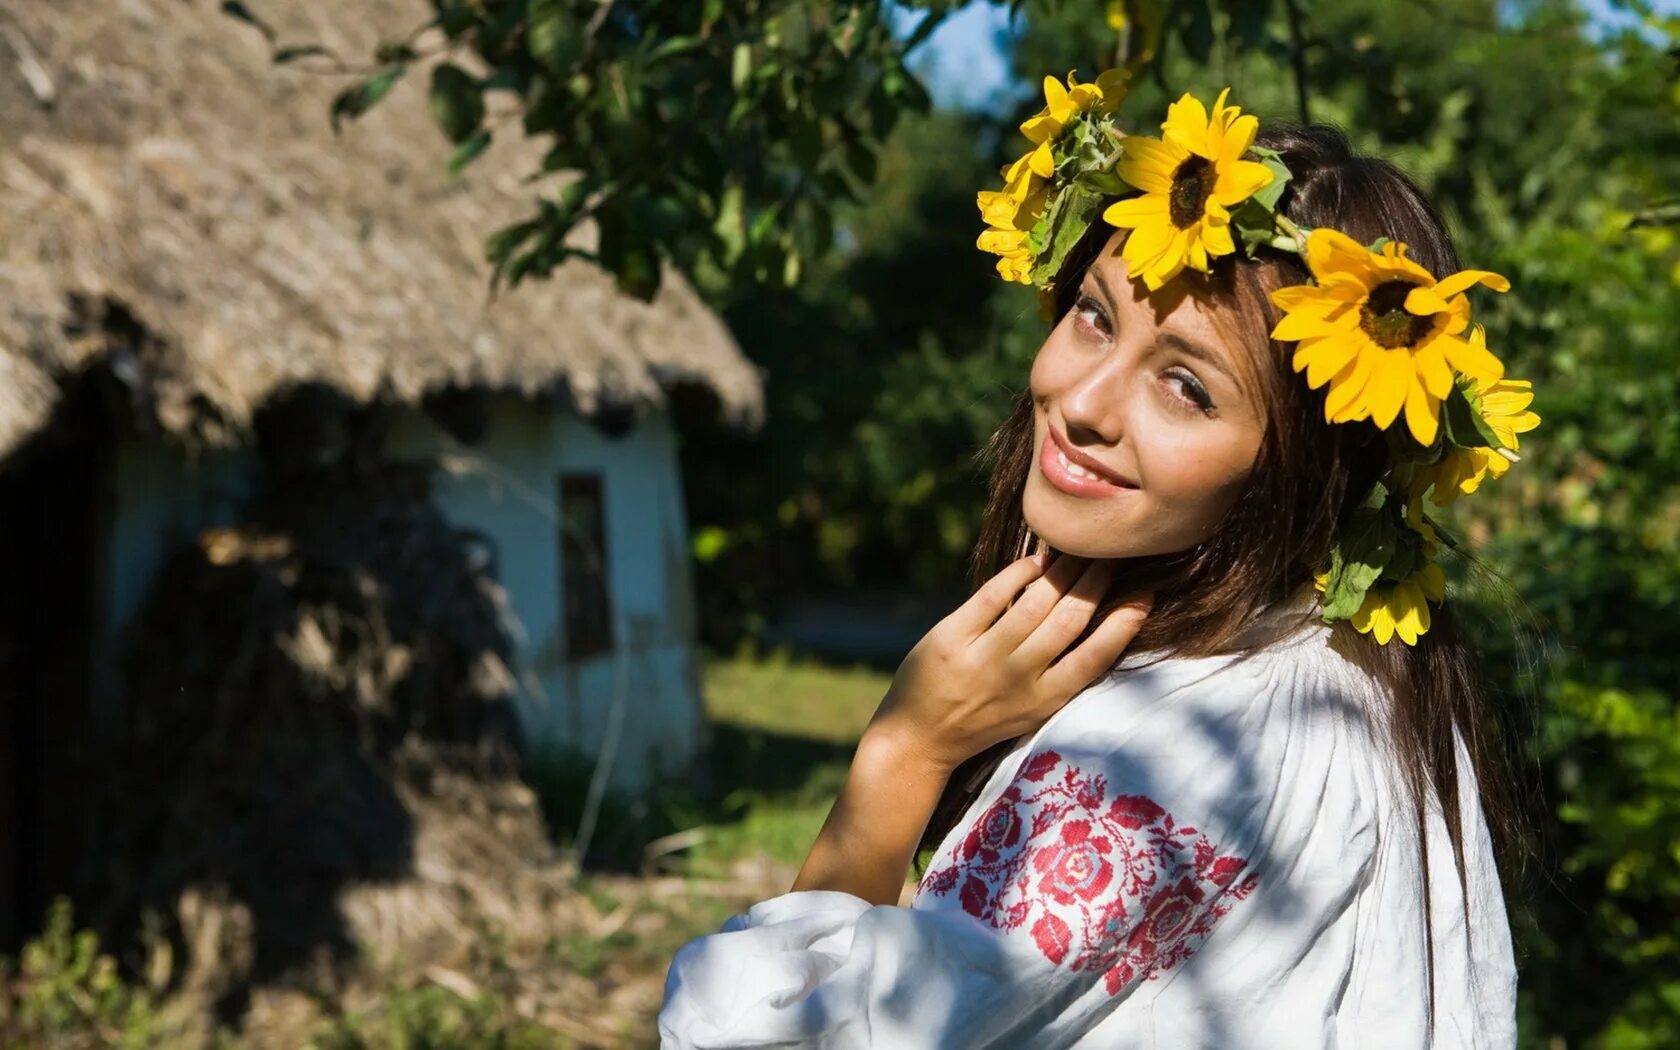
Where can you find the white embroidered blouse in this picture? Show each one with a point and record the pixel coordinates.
(1211, 852)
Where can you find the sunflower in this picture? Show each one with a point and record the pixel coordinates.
(1061, 105)
(1011, 212)
(1503, 404)
(1383, 332)
(1398, 609)
(1011, 223)
(1402, 609)
(1190, 177)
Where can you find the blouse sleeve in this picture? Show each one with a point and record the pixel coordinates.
(1134, 821)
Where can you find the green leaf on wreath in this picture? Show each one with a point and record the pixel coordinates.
(1076, 208)
(1269, 196)
(1253, 224)
(1359, 559)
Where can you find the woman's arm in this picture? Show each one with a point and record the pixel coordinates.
(869, 839)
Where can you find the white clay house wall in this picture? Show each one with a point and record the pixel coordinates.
(572, 667)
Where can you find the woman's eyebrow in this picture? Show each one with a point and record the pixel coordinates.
(1103, 285)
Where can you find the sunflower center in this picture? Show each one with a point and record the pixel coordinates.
(1386, 320)
(1191, 186)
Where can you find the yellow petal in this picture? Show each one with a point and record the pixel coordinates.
(1423, 412)
(1041, 128)
(1132, 211)
(1433, 369)
(1015, 268)
(1149, 164)
(1332, 251)
(1386, 391)
(1217, 238)
(1242, 180)
(1316, 318)
(1507, 397)
(1347, 287)
(997, 209)
(1019, 178)
(1469, 358)
(1457, 316)
(1145, 244)
(1394, 265)
(1376, 617)
(1343, 402)
(1230, 133)
(1083, 95)
(1422, 302)
(1410, 612)
(1186, 123)
(1043, 161)
(1196, 255)
(1169, 263)
(1448, 287)
(1294, 296)
(1001, 240)
(1056, 100)
(1323, 358)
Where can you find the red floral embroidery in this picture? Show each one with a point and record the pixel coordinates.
(1118, 888)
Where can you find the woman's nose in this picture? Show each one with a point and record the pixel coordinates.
(1095, 402)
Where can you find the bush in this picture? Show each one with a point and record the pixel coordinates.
(67, 995)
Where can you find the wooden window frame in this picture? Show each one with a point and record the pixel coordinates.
(585, 587)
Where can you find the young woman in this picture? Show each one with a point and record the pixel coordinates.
(1170, 805)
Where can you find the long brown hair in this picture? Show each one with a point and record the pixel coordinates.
(1308, 477)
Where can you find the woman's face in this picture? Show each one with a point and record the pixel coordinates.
(1165, 415)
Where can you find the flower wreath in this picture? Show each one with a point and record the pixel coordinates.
(1387, 338)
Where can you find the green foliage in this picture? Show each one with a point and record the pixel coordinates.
(717, 136)
(65, 993)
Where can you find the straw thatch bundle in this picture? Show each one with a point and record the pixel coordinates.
(158, 174)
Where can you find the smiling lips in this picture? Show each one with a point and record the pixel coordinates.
(1076, 473)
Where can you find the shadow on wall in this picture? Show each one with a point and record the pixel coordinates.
(293, 684)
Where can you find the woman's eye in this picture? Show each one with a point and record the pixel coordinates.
(1085, 306)
(1191, 391)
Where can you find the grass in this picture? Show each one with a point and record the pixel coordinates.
(775, 693)
(783, 735)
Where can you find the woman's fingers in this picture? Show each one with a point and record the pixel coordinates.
(1066, 619)
(973, 617)
(1034, 604)
(1098, 653)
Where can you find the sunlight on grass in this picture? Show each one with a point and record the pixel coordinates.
(799, 697)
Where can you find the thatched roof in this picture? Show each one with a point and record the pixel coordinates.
(162, 183)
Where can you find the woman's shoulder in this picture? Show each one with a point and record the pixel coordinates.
(1284, 736)
(1295, 682)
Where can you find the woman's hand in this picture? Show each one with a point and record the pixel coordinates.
(984, 674)
(981, 675)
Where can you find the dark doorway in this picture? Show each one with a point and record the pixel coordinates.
(53, 495)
